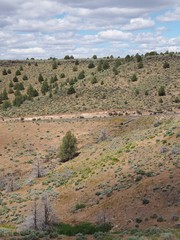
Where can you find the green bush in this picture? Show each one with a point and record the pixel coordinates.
(133, 78)
(81, 75)
(166, 65)
(62, 75)
(105, 65)
(91, 65)
(68, 148)
(15, 79)
(4, 72)
(18, 72)
(161, 91)
(71, 90)
(80, 206)
(6, 104)
(83, 228)
(25, 77)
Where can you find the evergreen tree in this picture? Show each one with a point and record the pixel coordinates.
(40, 78)
(11, 84)
(4, 72)
(4, 95)
(81, 75)
(31, 92)
(71, 90)
(15, 79)
(18, 72)
(25, 77)
(68, 148)
(54, 65)
(45, 87)
(161, 91)
(6, 104)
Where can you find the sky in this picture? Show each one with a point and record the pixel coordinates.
(82, 28)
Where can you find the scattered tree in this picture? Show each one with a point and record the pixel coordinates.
(18, 72)
(25, 77)
(81, 75)
(6, 104)
(40, 78)
(31, 92)
(134, 78)
(71, 90)
(4, 72)
(15, 79)
(161, 91)
(45, 87)
(54, 65)
(105, 65)
(68, 148)
(166, 65)
(91, 65)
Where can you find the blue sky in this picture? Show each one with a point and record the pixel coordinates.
(82, 28)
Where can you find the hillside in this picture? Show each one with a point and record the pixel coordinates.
(89, 85)
(126, 170)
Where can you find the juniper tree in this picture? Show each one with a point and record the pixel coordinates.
(68, 148)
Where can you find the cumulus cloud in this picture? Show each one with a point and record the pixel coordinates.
(115, 35)
(139, 23)
(173, 15)
(55, 28)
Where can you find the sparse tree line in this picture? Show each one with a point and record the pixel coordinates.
(51, 86)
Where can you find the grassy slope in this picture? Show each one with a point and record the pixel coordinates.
(117, 92)
(104, 177)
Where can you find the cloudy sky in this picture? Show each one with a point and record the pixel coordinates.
(55, 28)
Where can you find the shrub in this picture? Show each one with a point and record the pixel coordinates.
(80, 206)
(94, 57)
(4, 72)
(18, 72)
(6, 104)
(91, 65)
(140, 65)
(31, 92)
(62, 75)
(15, 79)
(68, 148)
(105, 65)
(11, 84)
(138, 58)
(115, 71)
(161, 91)
(40, 78)
(94, 80)
(83, 228)
(54, 65)
(81, 75)
(45, 87)
(71, 90)
(77, 62)
(166, 65)
(133, 78)
(25, 77)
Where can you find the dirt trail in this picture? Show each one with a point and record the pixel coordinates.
(89, 115)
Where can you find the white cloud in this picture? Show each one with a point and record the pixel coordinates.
(169, 16)
(30, 51)
(55, 28)
(138, 23)
(115, 35)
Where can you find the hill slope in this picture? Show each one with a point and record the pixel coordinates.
(94, 88)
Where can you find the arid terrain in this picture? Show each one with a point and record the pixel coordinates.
(127, 169)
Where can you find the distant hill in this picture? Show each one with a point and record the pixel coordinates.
(90, 84)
